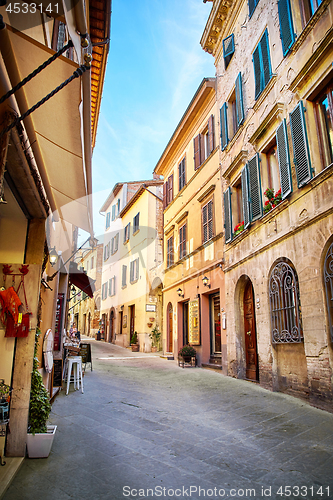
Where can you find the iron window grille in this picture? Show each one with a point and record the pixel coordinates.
(285, 307)
(328, 280)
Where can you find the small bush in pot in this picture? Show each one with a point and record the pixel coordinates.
(187, 351)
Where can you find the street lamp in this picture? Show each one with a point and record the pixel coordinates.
(53, 257)
(205, 281)
(180, 292)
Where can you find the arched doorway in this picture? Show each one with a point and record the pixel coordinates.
(328, 282)
(251, 352)
(112, 322)
(169, 328)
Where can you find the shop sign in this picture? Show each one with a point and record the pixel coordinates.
(58, 321)
(194, 322)
(150, 307)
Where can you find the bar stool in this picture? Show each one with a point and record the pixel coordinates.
(74, 362)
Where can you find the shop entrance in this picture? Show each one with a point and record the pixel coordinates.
(120, 322)
(132, 320)
(251, 353)
(170, 330)
(215, 324)
(185, 323)
(112, 326)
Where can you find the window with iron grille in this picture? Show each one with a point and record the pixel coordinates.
(127, 232)
(328, 280)
(228, 49)
(134, 271)
(207, 221)
(181, 174)
(136, 223)
(170, 252)
(262, 64)
(182, 241)
(285, 306)
(124, 276)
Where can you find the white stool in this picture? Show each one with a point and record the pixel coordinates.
(74, 362)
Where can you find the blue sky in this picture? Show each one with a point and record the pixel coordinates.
(155, 65)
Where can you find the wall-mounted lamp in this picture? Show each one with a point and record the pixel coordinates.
(73, 289)
(205, 281)
(53, 257)
(180, 292)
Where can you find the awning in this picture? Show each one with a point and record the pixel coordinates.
(55, 129)
(81, 280)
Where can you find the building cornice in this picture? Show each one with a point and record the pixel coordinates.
(216, 22)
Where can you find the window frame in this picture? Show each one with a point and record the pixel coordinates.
(127, 231)
(182, 174)
(134, 271)
(124, 276)
(108, 220)
(136, 223)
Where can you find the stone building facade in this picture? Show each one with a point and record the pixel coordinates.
(274, 92)
(193, 230)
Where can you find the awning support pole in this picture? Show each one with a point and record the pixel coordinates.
(36, 71)
(78, 72)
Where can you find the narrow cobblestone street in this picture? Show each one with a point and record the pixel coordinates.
(146, 428)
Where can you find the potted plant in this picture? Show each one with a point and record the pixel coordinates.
(40, 435)
(155, 336)
(187, 354)
(134, 342)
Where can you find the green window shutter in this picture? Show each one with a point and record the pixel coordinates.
(227, 215)
(284, 159)
(224, 126)
(265, 58)
(257, 72)
(252, 6)
(245, 196)
(228, 45)
(286, 25)
(300, 144)
(255, 188)
(239, 100)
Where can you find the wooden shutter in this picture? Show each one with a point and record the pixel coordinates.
(170, 188)
(265, 57)
(182, 241)
(137, 269)
(165, 190)
(181, 175)
(224, 126)
(196, 146)
(239, 100)
(228, 46)
(255, 188)
(252, 6)
(227, 215)
(110, 287)
(211, 138)
(210, 220)
(287, 34)
(283, 159)
(204, 223)
(116, 242)
(123, 281)
(245, 196)
(257, 72)
(300, 144)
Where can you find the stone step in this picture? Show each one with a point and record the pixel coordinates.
(212, 366)
(167, 355)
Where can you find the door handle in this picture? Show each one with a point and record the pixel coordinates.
(248, 333)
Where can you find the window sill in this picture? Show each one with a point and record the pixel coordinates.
(135, 232)
(133, 282)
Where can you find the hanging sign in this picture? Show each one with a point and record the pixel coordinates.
(194, 322)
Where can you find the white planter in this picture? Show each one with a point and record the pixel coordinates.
(39, 445)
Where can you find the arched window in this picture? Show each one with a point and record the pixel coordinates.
(285, 305)
(328, 280)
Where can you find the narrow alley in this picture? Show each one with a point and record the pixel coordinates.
(146, 428)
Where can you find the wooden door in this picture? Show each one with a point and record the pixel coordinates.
(252, 372)
(111, 326)
(170, 329)
(185, 323)
(132, 317)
